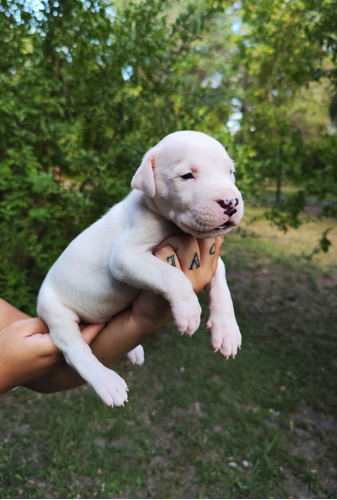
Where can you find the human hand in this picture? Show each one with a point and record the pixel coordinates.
(197, 259)
(27, 351)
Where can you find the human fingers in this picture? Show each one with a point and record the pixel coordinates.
(197, 263)
(90, 332)
(30, 326)
(185, 253)
(210, 250)
(168, 254)
(36, 332)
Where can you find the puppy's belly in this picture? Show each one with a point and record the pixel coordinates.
(104, 307)
(97, 303)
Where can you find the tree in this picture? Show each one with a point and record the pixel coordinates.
(283, 48)
(86, 88)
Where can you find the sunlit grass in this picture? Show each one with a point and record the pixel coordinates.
(295, 243)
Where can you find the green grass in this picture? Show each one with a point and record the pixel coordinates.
(198, 426)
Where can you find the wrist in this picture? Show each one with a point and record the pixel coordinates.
(150, 312)
(9, 314)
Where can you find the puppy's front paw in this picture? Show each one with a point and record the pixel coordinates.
(225, 337)
(187, 315)
(110, 387)
(136, 356)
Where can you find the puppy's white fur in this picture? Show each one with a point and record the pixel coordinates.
(185, 183)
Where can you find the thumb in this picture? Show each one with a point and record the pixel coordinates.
(91, 331)
(31, 326)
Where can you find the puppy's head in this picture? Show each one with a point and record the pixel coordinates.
(190, 179)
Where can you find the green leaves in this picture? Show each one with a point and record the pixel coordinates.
(87, 87)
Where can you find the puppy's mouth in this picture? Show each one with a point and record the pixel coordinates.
(225, 225)
(198, 231)
(223, 228)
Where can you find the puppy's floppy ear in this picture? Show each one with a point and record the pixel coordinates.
(144, 176)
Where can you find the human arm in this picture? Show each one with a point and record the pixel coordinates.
(31, 359)
(26, 349)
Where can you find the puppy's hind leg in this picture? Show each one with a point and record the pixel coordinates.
(136, 356)
(66, 335)
(108, 384)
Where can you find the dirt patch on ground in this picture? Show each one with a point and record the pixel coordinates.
(315, 440)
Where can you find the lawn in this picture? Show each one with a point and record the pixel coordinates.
(198, 426)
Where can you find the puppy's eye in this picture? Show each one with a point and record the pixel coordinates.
(187, 176)
(231, 172)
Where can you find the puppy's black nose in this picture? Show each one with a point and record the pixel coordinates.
(229, 205)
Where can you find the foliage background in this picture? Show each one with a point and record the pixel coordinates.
(87, 86)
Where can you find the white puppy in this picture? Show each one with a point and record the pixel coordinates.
(185, 183)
